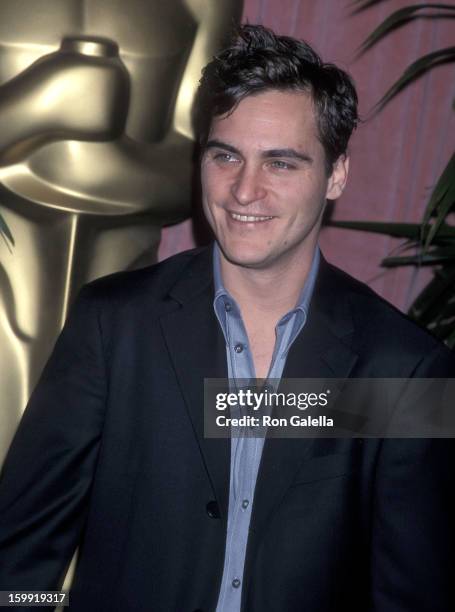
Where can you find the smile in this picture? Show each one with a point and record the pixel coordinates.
(249, 218)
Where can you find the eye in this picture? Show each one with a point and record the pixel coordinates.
(279, 164)
(225, 158)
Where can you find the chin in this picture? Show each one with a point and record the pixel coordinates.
(245, 258)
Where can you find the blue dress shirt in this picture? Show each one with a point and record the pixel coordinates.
(246, 451)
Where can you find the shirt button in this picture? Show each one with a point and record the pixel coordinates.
(238, 348)
(236, 583)
(228, 307)
(245, 503)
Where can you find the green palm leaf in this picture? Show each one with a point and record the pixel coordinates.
(433, 257)
(367, 4)
(415, 70)
(443, 210)
(441, 188)
(434, 296)
(402, 16)
(441, 202)
(432, 242)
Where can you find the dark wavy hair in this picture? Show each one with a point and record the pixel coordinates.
(259, 60)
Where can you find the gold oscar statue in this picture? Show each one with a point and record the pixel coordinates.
(95, 154)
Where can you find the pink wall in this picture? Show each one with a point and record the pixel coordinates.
(396, 156)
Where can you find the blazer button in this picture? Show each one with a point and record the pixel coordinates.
(212, 509)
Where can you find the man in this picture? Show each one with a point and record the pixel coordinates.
(111, 453)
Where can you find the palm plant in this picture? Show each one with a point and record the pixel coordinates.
(432, 241)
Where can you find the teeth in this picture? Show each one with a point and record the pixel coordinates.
(249, 218)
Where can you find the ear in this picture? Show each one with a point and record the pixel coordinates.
(338, 178)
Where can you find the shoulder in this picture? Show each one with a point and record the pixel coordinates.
(125, 299)
(380, 331)
(150, 283)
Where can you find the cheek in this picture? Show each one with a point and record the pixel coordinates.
(205, 176)
(305, 206)
(211, 184)
(210, 197)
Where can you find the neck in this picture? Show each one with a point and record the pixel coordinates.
(273, 290)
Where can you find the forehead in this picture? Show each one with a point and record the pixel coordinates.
(270, 119)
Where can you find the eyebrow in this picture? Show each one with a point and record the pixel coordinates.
(217, 144)
(288, 152)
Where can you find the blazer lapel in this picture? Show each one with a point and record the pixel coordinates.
(197, 350)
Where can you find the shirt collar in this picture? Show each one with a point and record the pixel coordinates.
(303, 302)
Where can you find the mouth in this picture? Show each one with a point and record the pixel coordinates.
(249, 218)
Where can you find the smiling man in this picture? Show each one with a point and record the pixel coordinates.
(265, 181)
(111, 453)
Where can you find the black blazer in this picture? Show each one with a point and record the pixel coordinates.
(111, 455)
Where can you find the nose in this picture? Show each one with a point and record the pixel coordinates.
(248, 186)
